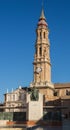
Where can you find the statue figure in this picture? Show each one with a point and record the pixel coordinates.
(34, 94)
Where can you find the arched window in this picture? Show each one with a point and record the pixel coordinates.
(44, 34)
(67, 92)
(40, 51)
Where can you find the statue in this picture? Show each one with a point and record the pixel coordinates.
(34, 94)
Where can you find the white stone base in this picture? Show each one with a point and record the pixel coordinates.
(35, 109)
(35, 112)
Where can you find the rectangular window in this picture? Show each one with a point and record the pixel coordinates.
(8, 97)
(67, 92)
(55, 94)
(13, 97)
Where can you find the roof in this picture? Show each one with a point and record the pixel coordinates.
(61, 85)
(22, 90)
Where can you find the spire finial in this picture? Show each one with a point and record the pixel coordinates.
(42, 12)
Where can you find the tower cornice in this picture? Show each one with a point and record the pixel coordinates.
(40, 62)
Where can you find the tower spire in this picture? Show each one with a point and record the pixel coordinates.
(42, 14)
(42, 19)
(42, 11)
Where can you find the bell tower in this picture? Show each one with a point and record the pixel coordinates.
(42, 63)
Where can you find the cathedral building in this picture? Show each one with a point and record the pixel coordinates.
(55, 96)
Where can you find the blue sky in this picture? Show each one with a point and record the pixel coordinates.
(18, 22)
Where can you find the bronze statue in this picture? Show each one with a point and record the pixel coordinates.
(34, 94)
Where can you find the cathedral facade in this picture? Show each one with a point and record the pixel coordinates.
(55, 96)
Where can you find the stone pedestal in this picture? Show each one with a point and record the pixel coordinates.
(34, 108)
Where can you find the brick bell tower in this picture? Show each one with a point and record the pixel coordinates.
(42, 63)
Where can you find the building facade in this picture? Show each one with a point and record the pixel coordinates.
(15, 101)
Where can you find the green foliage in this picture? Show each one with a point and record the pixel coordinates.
(6, 116)
(14, 116)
